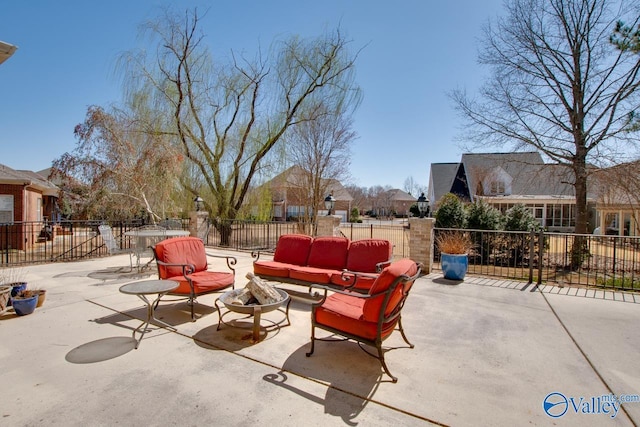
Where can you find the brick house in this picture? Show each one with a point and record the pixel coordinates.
(26, 198)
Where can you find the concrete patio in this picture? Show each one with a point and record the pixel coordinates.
(487, 352)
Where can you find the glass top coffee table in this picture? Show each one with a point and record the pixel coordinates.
(141, 290)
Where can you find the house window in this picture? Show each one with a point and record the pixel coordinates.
(6, 209)
(498, 187)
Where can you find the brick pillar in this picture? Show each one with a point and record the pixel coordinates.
(328, 225)
(198, 224)
(421, 241)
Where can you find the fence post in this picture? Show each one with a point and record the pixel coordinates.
(421, 242)
(327, 225)
(532, 253)
(198, 224)
(540, 255)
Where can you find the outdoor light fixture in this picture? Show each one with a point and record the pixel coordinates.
(199, 203)
(329, 203)
(423, 205)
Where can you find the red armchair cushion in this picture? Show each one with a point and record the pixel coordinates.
(203, 282)
(329, 252)
(312, 274)
(272, 268)
(293, 249)
(345, 313)
(363, 282)
(365, 254)
(372, 306)
(180, 250)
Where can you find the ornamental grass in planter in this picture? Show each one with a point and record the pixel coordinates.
(454, 249)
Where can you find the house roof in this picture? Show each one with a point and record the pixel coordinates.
(441, 179)
(6, 50)
(400, 196)
(27, 178)
(530, 175)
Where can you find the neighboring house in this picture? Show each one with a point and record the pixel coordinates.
(506, 179)
(617, 192)
(393, 202)
(290, 191)
(25, 197)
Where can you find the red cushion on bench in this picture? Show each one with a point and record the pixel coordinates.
(312, 274)
(272, 268)
(365, 254)
(329, 252)
(293, 249)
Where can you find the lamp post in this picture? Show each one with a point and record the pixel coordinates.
(199, 203)
(423, 205)
(329, 203)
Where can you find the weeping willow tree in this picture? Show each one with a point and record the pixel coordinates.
(226, 118)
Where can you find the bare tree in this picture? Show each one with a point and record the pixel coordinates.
(557, 85)
(412, 187)
(321, 145)
(118, 171)
(226, 119)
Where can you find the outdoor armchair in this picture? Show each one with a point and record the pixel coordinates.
(184, 260)
(366, 318)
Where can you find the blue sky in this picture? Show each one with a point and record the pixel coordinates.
(415, 52)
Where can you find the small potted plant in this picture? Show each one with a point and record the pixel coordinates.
(25, 302)
(454, 253)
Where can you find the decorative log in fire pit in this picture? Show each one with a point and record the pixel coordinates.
(255, 298)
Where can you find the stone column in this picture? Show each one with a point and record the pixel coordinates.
(198, 224)
(328, 225)
(421, 242)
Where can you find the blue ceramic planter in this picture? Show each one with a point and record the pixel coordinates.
(16, 288)
(454, 266)
(24, 306)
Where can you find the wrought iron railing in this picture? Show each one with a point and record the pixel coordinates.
(584, 260)
(562, 258)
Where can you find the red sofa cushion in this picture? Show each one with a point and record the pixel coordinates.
(345, 313)
(272, 268)
(293, 249)
(372, 307)
(329, 252)
(312, 274)
(365, 254)
(203, 282)
(180, 250)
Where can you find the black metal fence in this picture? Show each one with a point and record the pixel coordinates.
(589, 260)
(566, 259)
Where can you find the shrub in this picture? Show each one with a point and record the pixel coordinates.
(451, 213)
(482, 216)
(519, 218)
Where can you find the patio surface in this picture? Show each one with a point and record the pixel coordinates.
(487, 352)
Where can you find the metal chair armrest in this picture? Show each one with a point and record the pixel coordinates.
(231, 260)
(186, 268)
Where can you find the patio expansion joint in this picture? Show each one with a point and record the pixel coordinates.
(279, 369)
(584, 355)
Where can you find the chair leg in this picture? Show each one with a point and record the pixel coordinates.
(383, 363)
(313, 340)
(404, 337)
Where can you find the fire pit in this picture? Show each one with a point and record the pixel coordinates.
(254, 310)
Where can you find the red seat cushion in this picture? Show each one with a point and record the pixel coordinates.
(203, 282)
(372, 307)
(312, 274)
(180, 250)
(272, 268)
(365, 254)
(293, 249)
(329, 252)
(345, 313)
